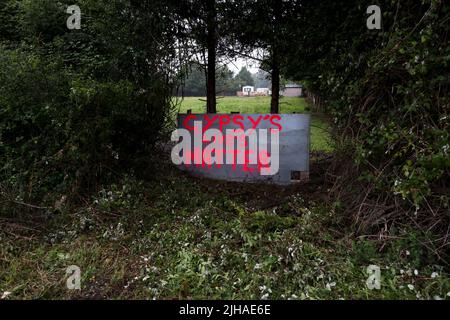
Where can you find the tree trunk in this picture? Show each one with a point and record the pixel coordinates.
(212, 44)
(275, 104)
(277, 18)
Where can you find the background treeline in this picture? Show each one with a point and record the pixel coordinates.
(227, 83)
(75, 106)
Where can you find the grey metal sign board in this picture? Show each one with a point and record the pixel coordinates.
(293, 145)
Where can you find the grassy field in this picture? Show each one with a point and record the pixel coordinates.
(244, 105)
(320, 138)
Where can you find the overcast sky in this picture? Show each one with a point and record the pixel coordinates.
(236, 65)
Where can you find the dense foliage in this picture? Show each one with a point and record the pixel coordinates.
(388, 91)
(82, 182)
(73, 103)
(76, 104)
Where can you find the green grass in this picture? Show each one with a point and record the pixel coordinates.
(185, 238)
(320, 137)
(249, 105)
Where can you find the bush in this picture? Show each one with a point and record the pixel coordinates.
(388, 92)
(77, 106)
(59, 130)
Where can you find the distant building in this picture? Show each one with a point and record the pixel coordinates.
(248, 90)
(265, 91)
(293, 90)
